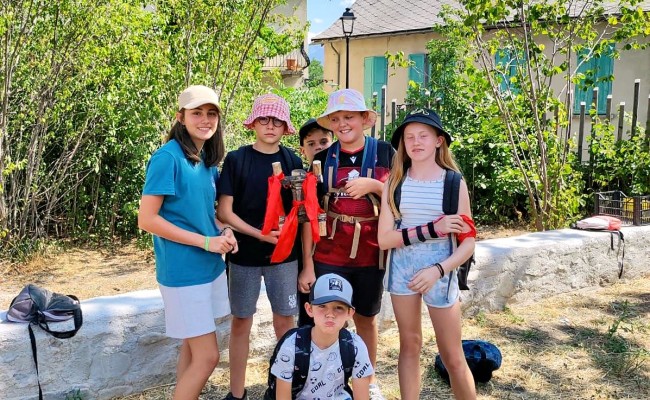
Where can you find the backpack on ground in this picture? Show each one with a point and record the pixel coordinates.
(482, 358)
(301, 360)
(37, 306)
(606, 223)
(450, 195)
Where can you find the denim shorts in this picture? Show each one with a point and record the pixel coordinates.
(407, 261)
(280, 281)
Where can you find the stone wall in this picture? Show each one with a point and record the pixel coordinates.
(121, 348)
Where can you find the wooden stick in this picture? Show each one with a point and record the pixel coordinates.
(277, 168)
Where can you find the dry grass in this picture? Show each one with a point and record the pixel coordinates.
(590, 344)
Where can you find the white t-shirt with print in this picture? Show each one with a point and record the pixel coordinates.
(325, 378)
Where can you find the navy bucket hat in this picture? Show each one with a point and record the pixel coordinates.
(424, 116)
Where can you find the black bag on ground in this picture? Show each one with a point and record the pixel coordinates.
(37, 306)
(482, 358)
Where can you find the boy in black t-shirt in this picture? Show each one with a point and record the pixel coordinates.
(243, 188)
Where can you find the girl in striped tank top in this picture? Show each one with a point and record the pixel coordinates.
(422, 264)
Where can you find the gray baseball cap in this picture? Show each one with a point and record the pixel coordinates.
(329, 288)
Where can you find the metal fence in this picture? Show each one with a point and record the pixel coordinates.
(582, 116)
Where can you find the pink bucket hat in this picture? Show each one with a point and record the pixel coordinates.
(346, 100)
(270, 105)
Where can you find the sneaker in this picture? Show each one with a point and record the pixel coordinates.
(375, 393)
(245, 397)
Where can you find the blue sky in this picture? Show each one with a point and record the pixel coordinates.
(321, 14)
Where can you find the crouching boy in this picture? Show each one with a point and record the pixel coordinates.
(318, 362)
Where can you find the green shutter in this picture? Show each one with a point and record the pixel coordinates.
(501, 59)
(367, 78)
(605, 65)
(508, 63)
(380, 77)
(417, 68)
(602, 67)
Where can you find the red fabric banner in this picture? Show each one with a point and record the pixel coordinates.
(274, 208)
(290, 227)
(472, 229)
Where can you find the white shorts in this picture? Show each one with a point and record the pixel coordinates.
(190, 311)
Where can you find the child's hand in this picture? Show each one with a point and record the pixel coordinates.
(424, 280)
(272, 237)
(306, 278)
(228, 233)
(359, 187)
(450, 224)
(223, 244)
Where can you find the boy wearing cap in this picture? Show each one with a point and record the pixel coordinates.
(331, 307)
(313, 138)
(177, 207)
(354, 169)
(243, 191)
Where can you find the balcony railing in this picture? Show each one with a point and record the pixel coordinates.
(290, 63)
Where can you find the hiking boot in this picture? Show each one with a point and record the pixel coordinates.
(375, 393)
(245, 397)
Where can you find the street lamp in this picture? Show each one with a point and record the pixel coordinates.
(347, 22)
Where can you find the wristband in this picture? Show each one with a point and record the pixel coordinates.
(224, 230)
(432, 229)
(405, 237)
(442, 271)
(206, 244)
(418, 231)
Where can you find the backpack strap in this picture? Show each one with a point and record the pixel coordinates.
(620, 250)
(348, 356)
(397, 197)
(241, 170)
(271, 380)
(301, 360)
(32, 340)
(369, 160)
(288, 158)
(450, 192)
(78, 321)
(331, 167)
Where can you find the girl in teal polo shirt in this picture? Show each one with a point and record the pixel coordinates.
(177, 207)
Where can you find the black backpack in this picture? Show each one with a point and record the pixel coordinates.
(38, 306)
(482, 359)
(243, 165)
(449, 207)
(301, 360)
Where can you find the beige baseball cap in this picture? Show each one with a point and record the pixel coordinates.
(196, 96)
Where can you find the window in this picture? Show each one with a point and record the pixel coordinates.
(507, 62)
(375, 75)
(598, 71)
(419, 70)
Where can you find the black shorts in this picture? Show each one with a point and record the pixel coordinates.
(367, 285)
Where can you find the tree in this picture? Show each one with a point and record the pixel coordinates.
(522, 49)
(315, 74)
(88, 88)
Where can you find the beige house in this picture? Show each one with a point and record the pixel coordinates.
(405, 25)
(293, 66)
